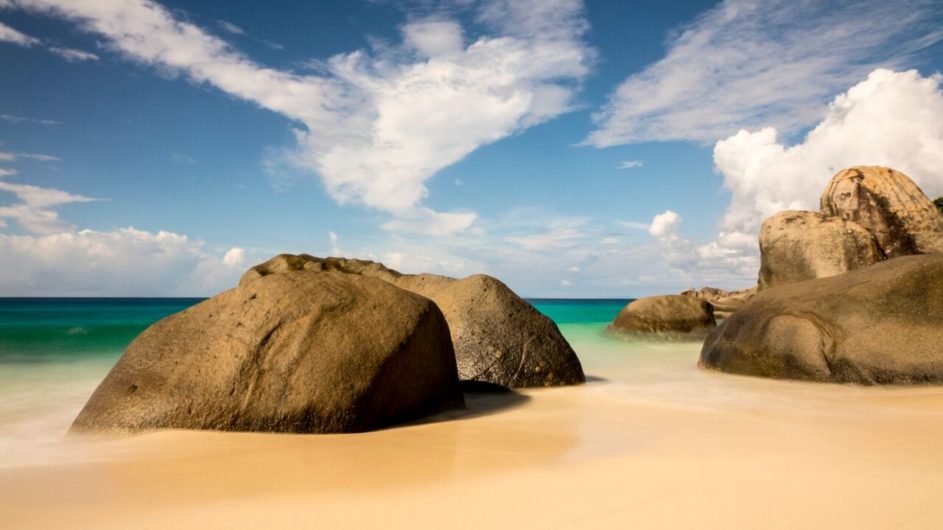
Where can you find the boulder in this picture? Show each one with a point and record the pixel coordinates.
(724, 303)
(797, 246)
(672, 317)
(299, 352)
(888, 205)
(498, 337)
(880, 324)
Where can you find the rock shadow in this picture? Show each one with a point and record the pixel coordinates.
(481, 399)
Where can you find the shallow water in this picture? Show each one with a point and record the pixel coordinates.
(53, 353)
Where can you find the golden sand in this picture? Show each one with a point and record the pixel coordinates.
(650, 442)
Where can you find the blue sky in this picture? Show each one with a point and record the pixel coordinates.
(605, 149)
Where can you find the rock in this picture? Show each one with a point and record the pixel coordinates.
(888, 205)
(797, 246)
(724, 303)
(293, 352)
(672, 317)
(880, 324)
(498, 337)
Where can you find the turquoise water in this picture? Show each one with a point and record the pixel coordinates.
(43, 330)
(63, 329)
(54, 352)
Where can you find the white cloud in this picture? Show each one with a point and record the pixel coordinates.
(4, 172)
(124, 262)
(9, 118)
(73, 55)
(9, 156)
(8, 34)
(378, 125)
(435, 38)
(431, 223)
(756, 63)
(665, 225)
(36, 210)
(630, 164)
(565, 283)
(575, 269)
(560, 234)
(230, 27)
(235, 257)
(890, 119)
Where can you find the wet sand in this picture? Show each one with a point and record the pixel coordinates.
(650, 442)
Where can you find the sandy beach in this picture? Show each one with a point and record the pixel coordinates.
(651, 441)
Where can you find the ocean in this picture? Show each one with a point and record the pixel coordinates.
(55, 351)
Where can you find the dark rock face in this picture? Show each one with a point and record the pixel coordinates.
(881, 324)
(498, 337)
(797, 246)
(673, 317)
(292, 352)
(888, 205)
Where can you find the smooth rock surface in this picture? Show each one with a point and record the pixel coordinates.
(723, 302)
(294, 352)
(498, 337)
(881, 324)
(666, 317)
(797, 246)
(889, 205)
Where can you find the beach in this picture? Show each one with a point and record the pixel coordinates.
(650, 441)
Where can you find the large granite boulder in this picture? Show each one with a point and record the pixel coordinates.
(294, 352)
(672, 317)
(889, 205)
(880, 324)
(797, 246)
(724, 303)
(498, 337)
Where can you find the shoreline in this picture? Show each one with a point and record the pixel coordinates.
(650, 440)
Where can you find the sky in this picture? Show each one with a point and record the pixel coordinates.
(605, 149)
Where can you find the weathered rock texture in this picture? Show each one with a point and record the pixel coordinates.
(666, 317)
(724, 303)
(797, 246)
(293, 352)
(880, 324)
(498, 337)
(890, 206)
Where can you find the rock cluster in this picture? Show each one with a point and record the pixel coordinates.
(498, 337)
(868, 214)
(851, 294)
(306, 344)
(880, 324)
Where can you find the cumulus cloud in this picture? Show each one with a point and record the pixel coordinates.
(890, 119)
(756, 63)
(36, 210)
(377, 125)
(52, 258)
(665, 225)
(124, 262)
